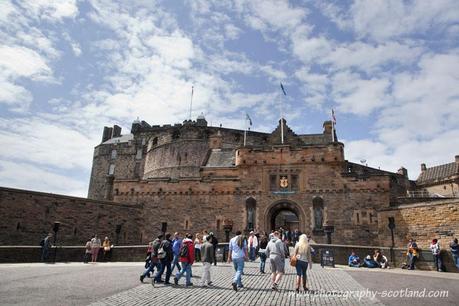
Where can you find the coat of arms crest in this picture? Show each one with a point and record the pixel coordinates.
(283, 182)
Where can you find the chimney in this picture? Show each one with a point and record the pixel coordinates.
(423, 167)
(327, 127)
(116, 131)
(457, 159)
(403, 171)
(107, 133)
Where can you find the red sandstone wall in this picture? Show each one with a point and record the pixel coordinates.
(27, 216)
(421, 221)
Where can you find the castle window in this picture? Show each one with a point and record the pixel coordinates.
(111, 169)
(218, 224)
(318, 208)
(186, 224)
(273, 182)
(358, 218)
(139, 153)
(113, 154)
(294, 181)
(155, 141)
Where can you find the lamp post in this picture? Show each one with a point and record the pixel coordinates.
(227, 227)
(55, 230)
(391, 226)
(328, 230)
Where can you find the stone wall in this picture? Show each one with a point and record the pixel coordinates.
(27, 216)
(421, 221)
(350, 202)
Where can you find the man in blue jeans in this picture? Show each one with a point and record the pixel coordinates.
(186, 258)
(176, 245)
(237, 254)
(154, 260)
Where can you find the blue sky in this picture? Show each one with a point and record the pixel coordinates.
(390, 69)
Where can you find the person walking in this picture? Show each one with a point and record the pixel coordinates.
(176, 245)
(207, 252)
(95, 247)
(154, 261)
(214, 242)
(253, 245)
(237, 254)
(187, 260)
(165, 256)
(454, 247)
(302, 253)
(435, 248)
(45, 247)
(197, 247)
(275, 251)
(262, 252)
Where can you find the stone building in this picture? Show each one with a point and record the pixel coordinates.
(441, 181)
(193, 177)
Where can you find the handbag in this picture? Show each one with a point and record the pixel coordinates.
(293, 260)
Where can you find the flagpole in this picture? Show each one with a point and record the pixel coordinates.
(191, 100)
(282, 119)
(333, 131)
(245, 129)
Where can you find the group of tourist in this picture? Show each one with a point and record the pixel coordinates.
(378, 260)
(166, 253)
(94, 246)
(412, 254)
(92, 249)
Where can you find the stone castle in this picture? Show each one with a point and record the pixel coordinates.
(192, 176)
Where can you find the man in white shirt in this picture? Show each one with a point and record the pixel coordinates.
(253, 244)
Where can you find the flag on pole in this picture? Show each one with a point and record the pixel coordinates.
(283, 90)
(333, 116)
(247, 117)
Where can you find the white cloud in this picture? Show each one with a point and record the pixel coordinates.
(31, 177)
(359, 96)
(173, 50)
(370, 57)
(15, 96)
(385, 19)
(76, 48)
(271, 15)
(45, 143)
(17, 61)
(50, 10)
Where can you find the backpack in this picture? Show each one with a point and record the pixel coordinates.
(161, 251)
(184, 250)
(42, 242)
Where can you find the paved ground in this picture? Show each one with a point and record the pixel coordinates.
(118, 284)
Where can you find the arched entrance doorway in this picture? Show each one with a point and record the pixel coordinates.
(285, 214)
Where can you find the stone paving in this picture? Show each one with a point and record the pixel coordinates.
(327, 287)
